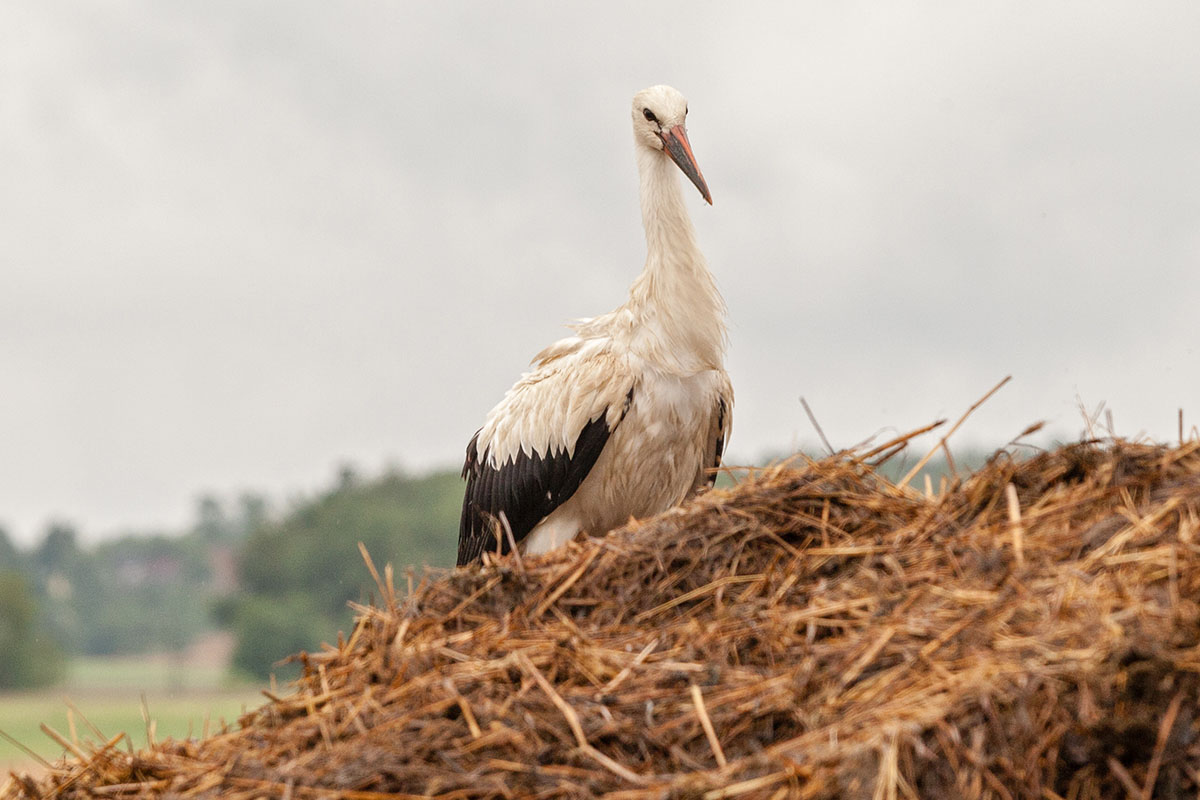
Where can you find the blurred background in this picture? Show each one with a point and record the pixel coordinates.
(264, 269)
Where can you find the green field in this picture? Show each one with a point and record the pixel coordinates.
(182, 700)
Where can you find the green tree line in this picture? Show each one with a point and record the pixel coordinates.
(300, 573)
(280, 582)
(133, 594)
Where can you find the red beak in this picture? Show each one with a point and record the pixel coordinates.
(676, 143)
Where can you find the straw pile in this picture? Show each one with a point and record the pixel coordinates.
(814, 632)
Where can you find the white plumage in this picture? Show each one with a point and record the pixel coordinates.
(630, 415)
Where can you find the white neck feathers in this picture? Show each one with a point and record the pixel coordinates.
(678, 314)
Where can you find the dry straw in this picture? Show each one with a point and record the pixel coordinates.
(816, 631)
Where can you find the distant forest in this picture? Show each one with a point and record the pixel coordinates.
(280, 581)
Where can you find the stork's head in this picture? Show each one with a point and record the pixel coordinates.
(659, 117)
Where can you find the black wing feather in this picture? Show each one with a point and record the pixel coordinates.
(719, 444)
(526, 489)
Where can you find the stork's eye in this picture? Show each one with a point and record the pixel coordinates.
(648, 114)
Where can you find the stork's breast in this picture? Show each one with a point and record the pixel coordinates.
(653, 457)
(676, 406)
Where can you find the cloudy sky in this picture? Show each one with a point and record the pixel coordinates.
(241, 244)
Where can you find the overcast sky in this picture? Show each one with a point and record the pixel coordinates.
(241, 244)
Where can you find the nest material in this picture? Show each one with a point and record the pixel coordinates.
(816, 631)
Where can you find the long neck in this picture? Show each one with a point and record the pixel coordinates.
(679, 314)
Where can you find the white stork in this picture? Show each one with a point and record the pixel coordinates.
(630, 415)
